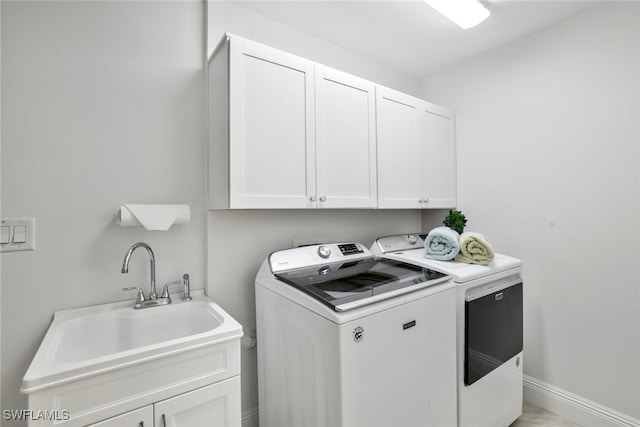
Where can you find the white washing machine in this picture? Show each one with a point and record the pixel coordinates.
(349, 339)
(489, 330)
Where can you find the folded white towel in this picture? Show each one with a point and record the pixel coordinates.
(475, 249)
(442, 244)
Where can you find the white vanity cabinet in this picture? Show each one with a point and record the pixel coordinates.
(181, 389)
(142, 417)
(216, 405)
(416, 152)
(285, 132)
(113, 366)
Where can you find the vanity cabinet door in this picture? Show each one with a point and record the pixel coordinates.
(216, 405)
(271, 128)
(345, 140)
(142, 417)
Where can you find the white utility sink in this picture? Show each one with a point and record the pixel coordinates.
(87, 341)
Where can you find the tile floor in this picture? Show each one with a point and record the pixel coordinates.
(533, 416)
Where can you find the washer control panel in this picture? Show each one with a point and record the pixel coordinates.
(350, 249)
(307, 256)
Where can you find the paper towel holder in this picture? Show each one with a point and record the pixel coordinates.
(155, 217)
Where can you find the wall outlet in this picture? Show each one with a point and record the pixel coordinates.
(306, 241)
(17, 234)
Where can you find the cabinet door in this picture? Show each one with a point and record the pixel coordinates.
(142, 417)
(271, 128)
(439, 157)
(216, 405)
(345, 140)
(399, 176)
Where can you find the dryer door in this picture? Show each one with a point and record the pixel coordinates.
(493, 327)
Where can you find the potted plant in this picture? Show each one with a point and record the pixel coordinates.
(455, 220)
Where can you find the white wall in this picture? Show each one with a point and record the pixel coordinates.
(227, 17)
(239, 241)
(548, 167)
(1, 201)
(102, 104)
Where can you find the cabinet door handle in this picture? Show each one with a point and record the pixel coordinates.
(312, 198)
(163, 418)
(141, 424)
(323, 198)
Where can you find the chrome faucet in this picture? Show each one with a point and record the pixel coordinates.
(153, 300)
(125, 266)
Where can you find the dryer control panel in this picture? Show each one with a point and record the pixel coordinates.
(397, 243)
(307, 256)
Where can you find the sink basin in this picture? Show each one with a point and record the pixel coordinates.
(115, 331)
(86, 341)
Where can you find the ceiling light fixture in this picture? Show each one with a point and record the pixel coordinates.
(465, 13)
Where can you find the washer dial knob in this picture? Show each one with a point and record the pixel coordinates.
(411, 239)
(324, 251)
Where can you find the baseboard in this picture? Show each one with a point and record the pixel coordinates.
(250, 418)
(573, 407)
(568, 405)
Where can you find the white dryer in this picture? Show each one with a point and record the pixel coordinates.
(348, 339)
(489, 330)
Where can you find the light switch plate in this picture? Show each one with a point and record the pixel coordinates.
(5, 234)
(30, 228)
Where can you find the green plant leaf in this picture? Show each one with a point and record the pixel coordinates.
(455, 220)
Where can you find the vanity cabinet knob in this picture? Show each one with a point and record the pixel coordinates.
(312, 198)
(323, 198)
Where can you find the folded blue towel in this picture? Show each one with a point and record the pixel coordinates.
(442, 243)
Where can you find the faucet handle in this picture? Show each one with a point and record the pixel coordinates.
(165, 289)
(140, 297)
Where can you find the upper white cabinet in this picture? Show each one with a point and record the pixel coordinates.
(287, 133)
(345, 140)
(416, 152)
(262, 138)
